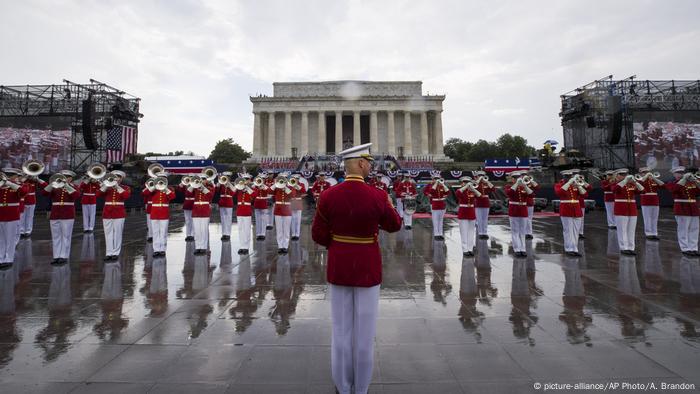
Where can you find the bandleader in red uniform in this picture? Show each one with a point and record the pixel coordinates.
(466, 214)
(569, 190)
(88, 203)
(518, 193)
(685, 190)
(437, 191)
(160, 198)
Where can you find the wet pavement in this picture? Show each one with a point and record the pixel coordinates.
(221, 323)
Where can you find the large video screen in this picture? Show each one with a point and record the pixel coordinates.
(52, 147)
(664, 145)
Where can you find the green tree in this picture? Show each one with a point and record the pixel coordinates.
(457, 149)
(227, 151)
(514, 146)
(483, 150)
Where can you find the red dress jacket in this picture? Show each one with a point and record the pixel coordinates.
(244, 202)
(297, 198)
(260, 201)
(405, 189)
(188, 203)
(88, 193)
(114, 202)
(160, 203)
(517, 201)
(30, 197)
(62, 203)
(531, 197)
(625, 202)
(650, 194)
(283, 202)
(319, 187)
(483, 200)
(9, 203)
(608, 194)
(467, 204)
(684, 198)
(347, 220)
(225, 196)
(437, 196)
(147, 200)
(582, 197)
(202, 202)
(569, 205)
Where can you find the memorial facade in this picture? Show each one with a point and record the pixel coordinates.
(322, 118)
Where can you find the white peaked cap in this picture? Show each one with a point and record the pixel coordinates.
(356, 152)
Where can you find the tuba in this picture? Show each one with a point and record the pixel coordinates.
(110, 181)
(161, 183)
(96, 171)
(155, 169)
(33, 168)
(239, 184)
(58, 181)
(210, 173)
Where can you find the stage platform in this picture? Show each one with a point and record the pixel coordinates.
(261, 323)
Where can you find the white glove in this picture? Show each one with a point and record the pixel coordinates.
(103, 188)
(167, 190)
(119, 189)
(12, 185)
(151, 188)
(48, 188)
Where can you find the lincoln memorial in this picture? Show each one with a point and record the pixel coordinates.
(319, 118)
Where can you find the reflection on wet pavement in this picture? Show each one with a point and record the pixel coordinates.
(261, 323)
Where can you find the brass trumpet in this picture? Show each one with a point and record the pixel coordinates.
(258, 181)
(224, 180)
(293, 182)
(527, 180)
(3, 179)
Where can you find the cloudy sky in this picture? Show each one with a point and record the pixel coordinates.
(501, 64)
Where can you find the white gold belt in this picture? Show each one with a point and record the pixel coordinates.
(201, 202)
(88, 194)
(243, 203)
(690, 201)
(114, 203)
(650, 194)
(160, 205)
(519, 203)
(466, 205)
(618, 200)
(607, 192)
(62, 203)
(570, 201)
(438, 199)
(9, 204)
(282, 203)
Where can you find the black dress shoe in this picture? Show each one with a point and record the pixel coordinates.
(240, 251)
(260, 238)
(189, 238)
(612, 227)
(580, 236)
(5, 266)
(294, 238)
(468, 254)
(149, 240)
(528, 236)
(244, 251)
(409, 227)
(483, 236)
(269, 228)
(225, 238)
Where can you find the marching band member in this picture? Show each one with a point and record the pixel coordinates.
(626, 209)
(187, 205)
(406, 190)
(517, 194)
(320, 184)
(466, 214)
(88, 203)
(160, 196)
(244, 199)
(298, 193)
(226, 192)
(145, 194)
(685, 190)
(26, 223)
(437, 192)
(11, 193)
(568, 190)
(283, 213)
(650, 203)
(203, 193)
(347, 221)
(63, 195)
(582, 199)
(114, 212)
(609, 197)
(260, 204)
(483, 204)
(14, 176)
(532, 184)
(269, 181)
(400, 178)
(378, 182)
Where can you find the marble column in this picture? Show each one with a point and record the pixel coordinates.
(271, 135)
(356, 135)
(338, 131)
(257, 135)
(373, 136)
(287, 152)
(439, 144)
(407, 139)
(424, 133)
(304, 148)
(391, 138)
(321, 132)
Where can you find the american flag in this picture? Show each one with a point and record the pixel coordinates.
(121, 141)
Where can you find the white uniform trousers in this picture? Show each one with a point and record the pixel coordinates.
(530, 215)
(407, 219)
(270, 216)
(201, 233)
(89, 216)
(482, 221)
(610, 212)
(149, 226)
(226, 215)
(354, 317)
(8, 241)
(296, 223)
(438, 216)
(517, 231)
(399, 206)
(260, 222)
(283, 226)
(160, 235)
(114, 228)
(189, 224)
(626, 226)
(467, 231)
(27, 219)
(570, 229)
(688, 228)
(61, 233)
(583, 217)
(650, 217)
(244, 231)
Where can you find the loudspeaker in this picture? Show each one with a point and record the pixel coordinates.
(590, 122)
(615, 128)
(89, 123)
